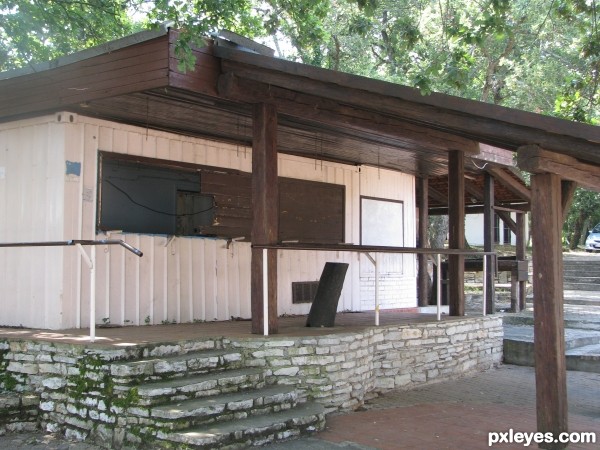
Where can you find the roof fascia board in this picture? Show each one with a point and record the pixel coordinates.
(465, 108)
(89, 53)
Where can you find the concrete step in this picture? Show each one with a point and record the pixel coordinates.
(585, 358)
(580, 348)
(180, 389)
(233, 406)
(251, 431)
(173, 366)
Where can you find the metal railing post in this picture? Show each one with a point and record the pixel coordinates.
(89, 260)
(438, 293)
(485, 257)
(265, 292)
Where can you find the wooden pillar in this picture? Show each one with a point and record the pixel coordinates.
(549, 342)
(423, 275)
(265, 213)
(488, 241)
(521, 255)
(456, 239)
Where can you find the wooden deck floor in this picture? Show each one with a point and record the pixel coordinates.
(144, 334)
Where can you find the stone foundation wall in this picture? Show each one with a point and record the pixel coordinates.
(341, 371)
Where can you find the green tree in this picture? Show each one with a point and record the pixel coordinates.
(40, 30)
(583, 215)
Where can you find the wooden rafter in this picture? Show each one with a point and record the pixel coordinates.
(511, 183)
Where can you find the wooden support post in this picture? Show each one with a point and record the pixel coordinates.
(521, 254)
(549, 342)
(423, 275)
(456, 223)
(488, 241)
(265, 210)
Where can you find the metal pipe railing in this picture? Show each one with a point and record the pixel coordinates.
(75, 242)
(433, 253)
(90, 260)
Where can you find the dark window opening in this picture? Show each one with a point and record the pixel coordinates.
(507, 235)
(149, 198)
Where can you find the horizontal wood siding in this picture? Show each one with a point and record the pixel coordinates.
(203, 78)
(233, 203)
(131, 69)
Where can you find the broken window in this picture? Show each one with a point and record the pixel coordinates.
(151, 198)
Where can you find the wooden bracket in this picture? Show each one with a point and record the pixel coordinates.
(534, 159)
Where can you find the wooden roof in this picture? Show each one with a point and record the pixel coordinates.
(323, 114)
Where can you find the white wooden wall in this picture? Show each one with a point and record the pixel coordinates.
(179, 279)
(32, 168)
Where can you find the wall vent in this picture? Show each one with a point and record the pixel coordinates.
(304, 291)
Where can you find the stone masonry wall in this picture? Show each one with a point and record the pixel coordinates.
(340, 370)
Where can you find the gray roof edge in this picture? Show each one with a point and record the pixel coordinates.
(91, 52)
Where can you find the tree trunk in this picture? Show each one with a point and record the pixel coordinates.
(577, 228)
(438, 231)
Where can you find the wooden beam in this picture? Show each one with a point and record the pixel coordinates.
(443, 210)
(488, 241)
(520, 208)
(265, 210)
(508, 221)
(568, 189)
(501, 127)
(423, 274)
(510, 183)
(549, 341)
(337, 114)
(534, 159)
(456, 240)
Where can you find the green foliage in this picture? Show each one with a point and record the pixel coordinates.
(8, 381)
(534, 55)
(38, 30)
(583, 215)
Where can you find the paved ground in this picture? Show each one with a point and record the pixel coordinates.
(445, 415)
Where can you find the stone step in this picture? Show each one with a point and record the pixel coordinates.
(581, 286)
(233, 406)
(581, 276)
(18, 412)
(179, 389)
(160, 368)
(251, 431)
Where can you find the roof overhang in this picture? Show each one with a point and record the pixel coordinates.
(323, 114)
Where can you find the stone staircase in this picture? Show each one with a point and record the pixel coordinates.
(18, 412)
(581, 273)
(207, 400)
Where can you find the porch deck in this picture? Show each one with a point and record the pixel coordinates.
(293, 326)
